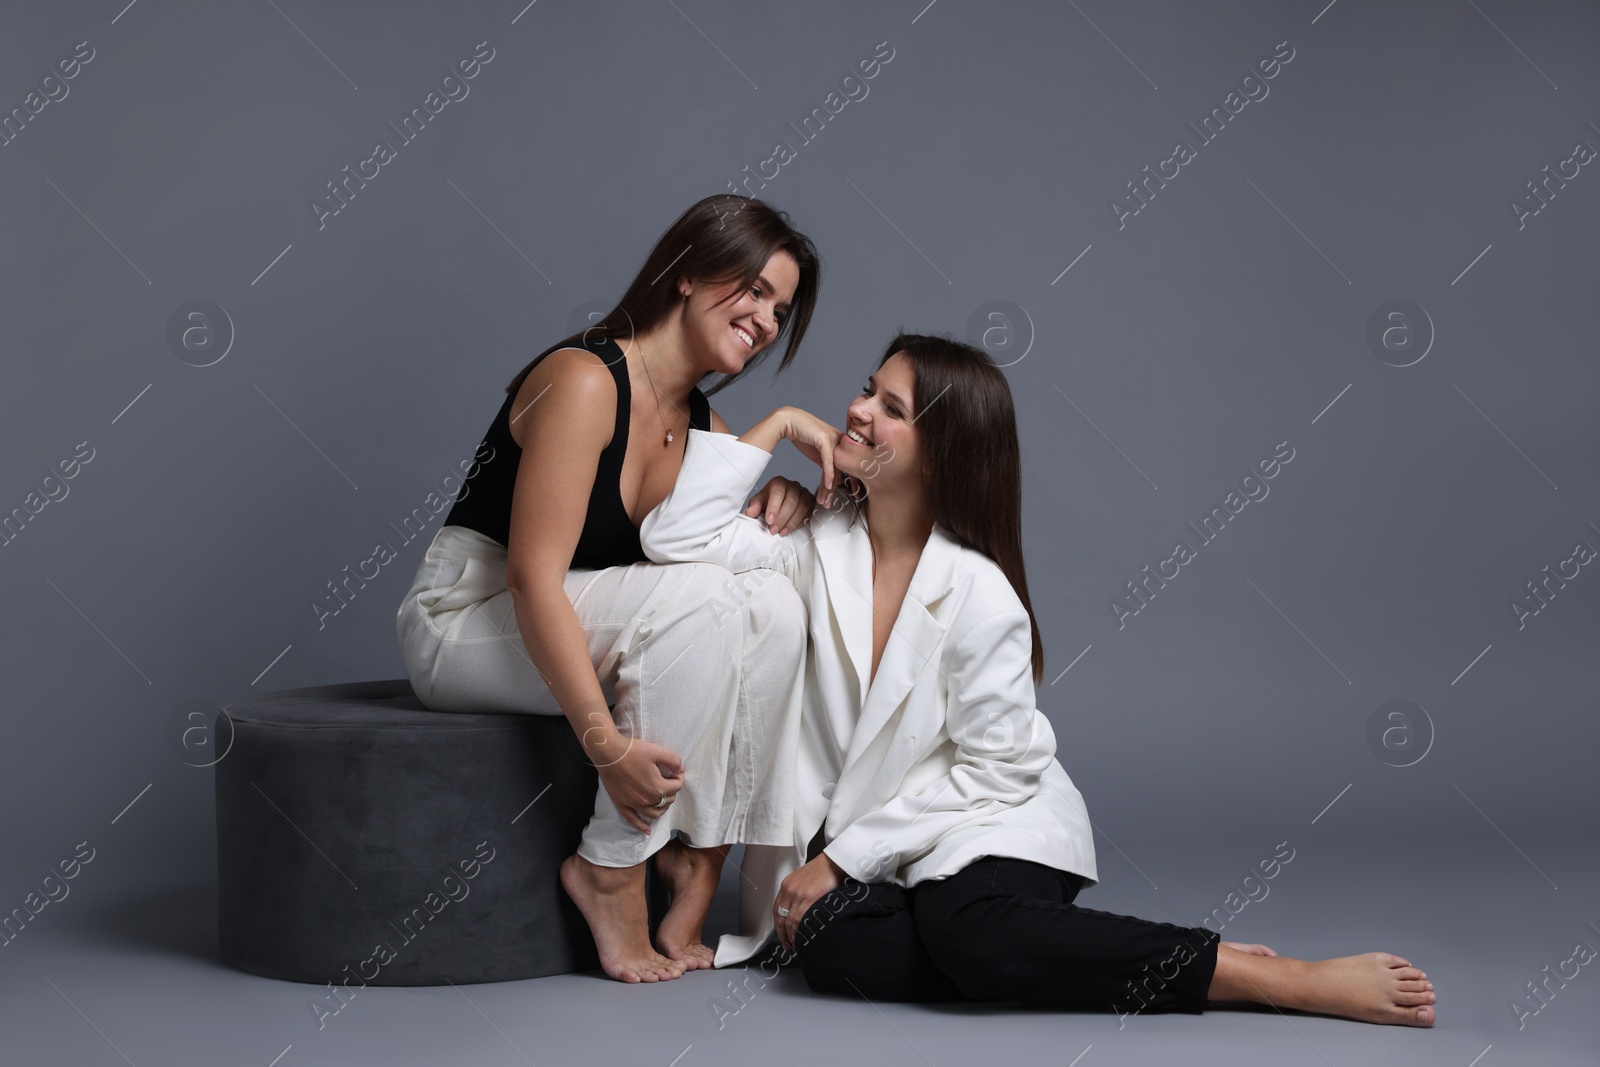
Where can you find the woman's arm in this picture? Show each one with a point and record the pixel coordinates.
(563, 434)
(1003, 746)
(787, 504)
(700, 519)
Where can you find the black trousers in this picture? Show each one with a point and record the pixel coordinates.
(1001, 929)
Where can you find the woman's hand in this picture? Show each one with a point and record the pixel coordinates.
(814, 438)
(636, 774)
(816, 441)
(799, 891)
(786, 505)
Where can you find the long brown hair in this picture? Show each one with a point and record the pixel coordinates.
(723, 238)
(969, 434)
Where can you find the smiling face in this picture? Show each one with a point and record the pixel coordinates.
(724, 326)
(881, 445)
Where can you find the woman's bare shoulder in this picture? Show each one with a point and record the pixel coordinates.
(581, 381)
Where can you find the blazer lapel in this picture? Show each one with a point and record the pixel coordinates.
(912, 650)
(844, 555)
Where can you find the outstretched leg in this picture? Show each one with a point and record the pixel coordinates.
(1254, 950)
(691, 876)
(1375, 987)
(612, 901)
(1007, 929)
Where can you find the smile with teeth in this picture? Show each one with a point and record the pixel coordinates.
(743, 335)
(855, 436)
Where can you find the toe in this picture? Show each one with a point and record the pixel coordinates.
(1412, 1000)
(1425, 1016)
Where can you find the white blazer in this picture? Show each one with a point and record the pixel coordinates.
(943, 757)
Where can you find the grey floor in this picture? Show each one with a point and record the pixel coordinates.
(132, 975)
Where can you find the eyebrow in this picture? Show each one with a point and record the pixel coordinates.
(768, 286)
(896, 397)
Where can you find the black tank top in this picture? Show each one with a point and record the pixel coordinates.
(609, 537)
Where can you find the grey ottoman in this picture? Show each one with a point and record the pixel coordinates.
(362, 839)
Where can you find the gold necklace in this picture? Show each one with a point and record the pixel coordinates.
(652, 382)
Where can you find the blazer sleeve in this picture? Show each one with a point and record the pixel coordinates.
(1003, 745)
(701, 520)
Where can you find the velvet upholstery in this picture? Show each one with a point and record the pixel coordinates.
(349, 817)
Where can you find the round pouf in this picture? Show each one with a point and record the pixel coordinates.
(363, 839)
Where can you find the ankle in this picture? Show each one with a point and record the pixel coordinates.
(610, 879)
(1243, 976)
(1289, 983)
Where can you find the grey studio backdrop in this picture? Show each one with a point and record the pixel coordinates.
(1371, 273)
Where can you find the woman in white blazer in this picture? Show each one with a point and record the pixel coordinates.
(939, 845)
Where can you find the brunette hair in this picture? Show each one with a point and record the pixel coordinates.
(723, 238)
(969, 434)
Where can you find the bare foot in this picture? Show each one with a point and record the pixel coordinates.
(612, 901)
(1254, 950)
(691, 875)
(1374, 987)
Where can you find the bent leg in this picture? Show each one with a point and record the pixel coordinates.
(1007, 929)
(458, 631)
(764, 731)
(755, 742)
(675, 679)
(861, 940)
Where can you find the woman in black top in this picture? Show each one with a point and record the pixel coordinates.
(682, 682)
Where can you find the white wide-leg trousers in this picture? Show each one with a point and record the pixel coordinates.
(691, 656)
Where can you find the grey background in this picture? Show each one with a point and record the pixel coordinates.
(1229, 315)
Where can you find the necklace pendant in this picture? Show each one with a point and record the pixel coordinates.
(669, 437)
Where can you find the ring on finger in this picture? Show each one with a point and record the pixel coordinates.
(783, 912)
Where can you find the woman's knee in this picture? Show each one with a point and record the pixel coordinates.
(959, 944)
(760, 603)
(705, 599)
(961, 919)
(845, 906)
(845, 931)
